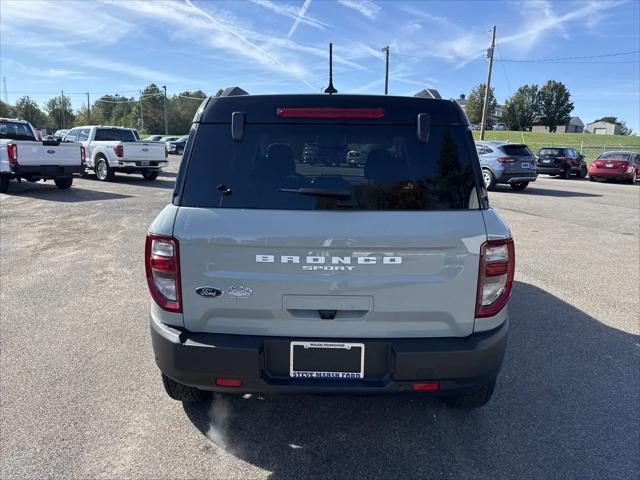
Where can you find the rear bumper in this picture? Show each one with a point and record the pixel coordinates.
(517, 177)
(607, 173)
(391, 365)
(125, 164)
(46, 171)
(551, 170)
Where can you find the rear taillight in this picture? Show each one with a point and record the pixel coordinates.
(495, 276)
(119, 149)
(12, 153)
(83, 155)
(162, 262)
(506, 159)
(329, 112)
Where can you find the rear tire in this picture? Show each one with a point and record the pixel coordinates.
(583, 171)
(488, 178)
(519, 185)
(566, 174)
(631, 181)
(103, 171)
(63, 183)
(4, 183)
(593, 179)
(179, 151)
(473, 399)
(150, 174)
(183, 393)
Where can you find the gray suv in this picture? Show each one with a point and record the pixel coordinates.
(270, 274)
(505, 162)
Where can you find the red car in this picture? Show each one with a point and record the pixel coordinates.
(616, 165)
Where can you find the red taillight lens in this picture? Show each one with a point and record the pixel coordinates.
(327, 112)
(12, 153)
(119, 149)
(495, 276)
(162, 263)
(83, 155)
(506, 159)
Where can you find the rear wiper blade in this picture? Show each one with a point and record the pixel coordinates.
(318, 192)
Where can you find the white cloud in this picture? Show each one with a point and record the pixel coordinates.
(364, 7)
(298, 15)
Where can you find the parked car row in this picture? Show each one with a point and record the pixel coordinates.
(514, 164)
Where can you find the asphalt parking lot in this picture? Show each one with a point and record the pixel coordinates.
(82, 398)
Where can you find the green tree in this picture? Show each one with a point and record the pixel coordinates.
(60, 113)
(6, 110)
(182, 108)
(624, 130)
(27, 109)
(523, 108)
(475, 102)
(555, 105)
(153, 109)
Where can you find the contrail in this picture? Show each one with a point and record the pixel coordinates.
(300, 16)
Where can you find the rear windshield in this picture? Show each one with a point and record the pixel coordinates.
(550, 151)
(516, 150)
(115, 134)
(16, 131)
(326, 167)
(615, 156)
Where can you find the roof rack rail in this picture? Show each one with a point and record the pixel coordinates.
(428, 93)
(233, 91)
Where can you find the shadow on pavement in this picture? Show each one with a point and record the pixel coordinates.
(168, 174)
(48, 191)
(137, 180)
(566, 406)
(547, 192)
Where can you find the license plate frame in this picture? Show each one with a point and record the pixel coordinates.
(526, 165)
(326, 374)
(144, 163)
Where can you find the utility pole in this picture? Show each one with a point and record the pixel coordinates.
(88, 109)
(487, 87)
(386, 70)
(141, 113)
(62, 106)
(166, 128)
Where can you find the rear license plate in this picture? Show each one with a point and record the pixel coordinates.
(526, 165)
(547, 160)
(326, 360)
(608, 165)
(144, 164)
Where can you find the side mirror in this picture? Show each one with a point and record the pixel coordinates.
(237, 126)
(424, 127)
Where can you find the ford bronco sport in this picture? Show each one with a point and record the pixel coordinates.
(272, 274)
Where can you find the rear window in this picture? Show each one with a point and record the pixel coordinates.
(550, 151)
(516, 150)
(16, 131)
(327, 167)
(615, 156)
(115, 135)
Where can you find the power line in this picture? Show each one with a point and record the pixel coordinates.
(560, 59)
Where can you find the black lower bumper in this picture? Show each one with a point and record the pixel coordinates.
(46, 171)
(515, 177)
(551, 170)
(391, 365)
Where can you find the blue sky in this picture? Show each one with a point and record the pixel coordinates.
(270, 46)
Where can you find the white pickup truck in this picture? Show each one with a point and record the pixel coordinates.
(22, 156)
(118, 149)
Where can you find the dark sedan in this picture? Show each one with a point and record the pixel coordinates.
(176, 147)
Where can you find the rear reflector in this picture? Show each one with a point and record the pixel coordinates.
(228, 382)
(426, 386)
(322, 112)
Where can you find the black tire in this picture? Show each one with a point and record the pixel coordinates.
(566, 174)
(519, 185)
(103, 171)
(472, 399)
(183, 393)
(488, 179)
(179, 151)
(150, 174)
(63, 183)
(631, 181)
(593, 179)
(4, 183)
(583, 172)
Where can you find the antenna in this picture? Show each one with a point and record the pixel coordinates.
(4, 90)
(330, 89)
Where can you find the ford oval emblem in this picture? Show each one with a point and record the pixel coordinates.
(238, 291)
(145, 149)
(209, 291)
(51, 151)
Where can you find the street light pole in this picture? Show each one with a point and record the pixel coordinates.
(141, 113)
(487, 87)
(166, 128)
(386, 70)
(88, 110)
